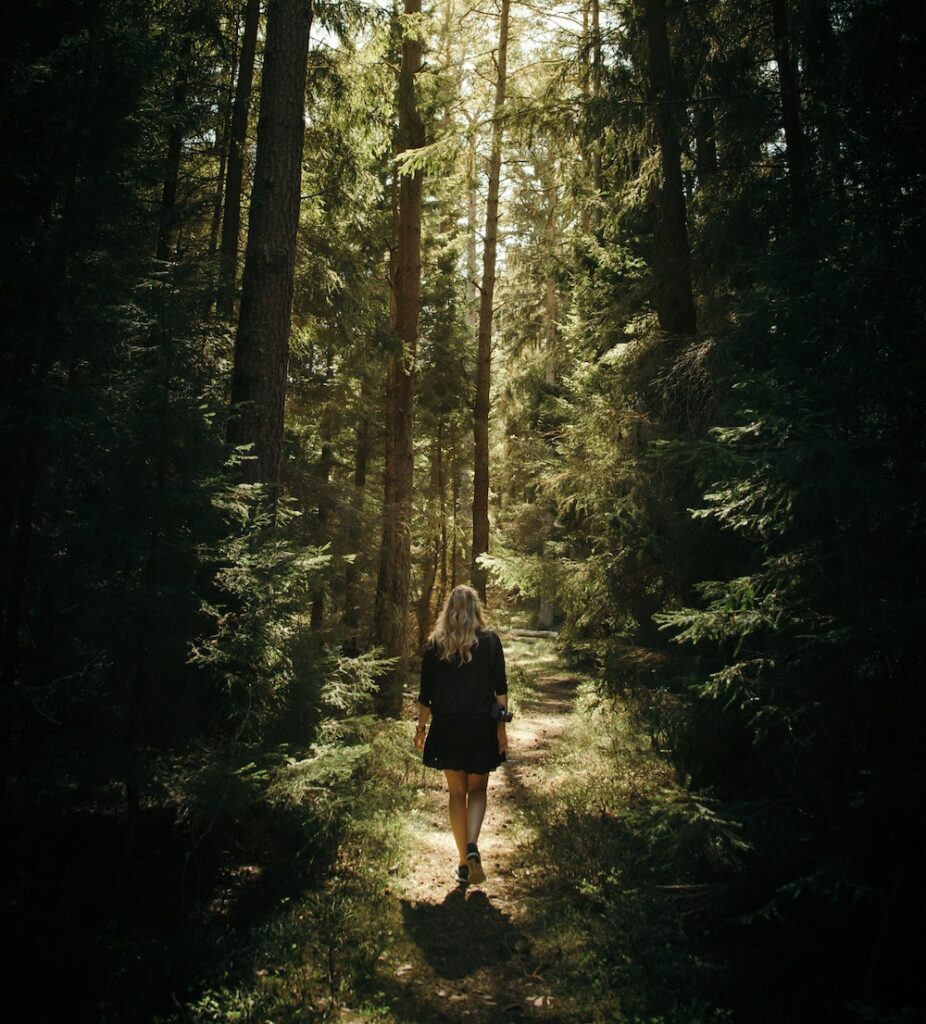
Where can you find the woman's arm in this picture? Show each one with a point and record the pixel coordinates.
(424, 713)
(425, 696)
(500, 683)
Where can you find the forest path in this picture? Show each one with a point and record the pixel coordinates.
(461, 953)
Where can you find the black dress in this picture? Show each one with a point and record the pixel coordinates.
(463, 734)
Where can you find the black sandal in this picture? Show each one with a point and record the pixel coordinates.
(475, 873)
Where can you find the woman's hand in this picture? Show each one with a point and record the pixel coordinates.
(502, 699)
(421, 726)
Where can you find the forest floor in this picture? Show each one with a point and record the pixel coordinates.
(518, 947)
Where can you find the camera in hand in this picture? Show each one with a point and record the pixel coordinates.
(500, 714)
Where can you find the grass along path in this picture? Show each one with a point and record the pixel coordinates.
(569, 925)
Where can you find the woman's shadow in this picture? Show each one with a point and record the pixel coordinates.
(460, 935)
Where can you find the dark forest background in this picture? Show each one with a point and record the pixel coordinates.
(311, 312)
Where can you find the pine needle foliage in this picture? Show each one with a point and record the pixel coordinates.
(738, 513)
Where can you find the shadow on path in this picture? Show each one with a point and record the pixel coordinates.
(474, 956)
(462, 935)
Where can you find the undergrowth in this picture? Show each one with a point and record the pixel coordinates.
(628, 861)
(329, 926)
(526, 660)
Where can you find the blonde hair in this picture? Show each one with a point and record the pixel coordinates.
(455, 629)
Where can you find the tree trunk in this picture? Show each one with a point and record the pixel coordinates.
(597, 176)
(456, 486)
(547, 610)
(325, 463)
(231, 219)
(790, 106)
(351, 570)
(168, 217)
(262, 343)
(227, 102)
(696, 43)
(551, 235)
(585, 213)
(550, 307)
(674, 298)
(423, 610)
(472, 257)
(442, 499)
(395, 556)
(484, 343)
(429, 576)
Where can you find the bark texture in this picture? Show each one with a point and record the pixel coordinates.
(237, 139)
(392, 591)
(351, 570)
(432, 564)
(472, 256)
(597, 175)
(326, 463)
(674, 298)
(484, 342)
(262, 341)
(227, 103)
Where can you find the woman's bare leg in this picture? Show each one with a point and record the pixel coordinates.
(456, 787)
(475, 805)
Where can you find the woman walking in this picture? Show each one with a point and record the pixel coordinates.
(463, 685)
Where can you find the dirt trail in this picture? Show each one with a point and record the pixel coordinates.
(462, 954)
